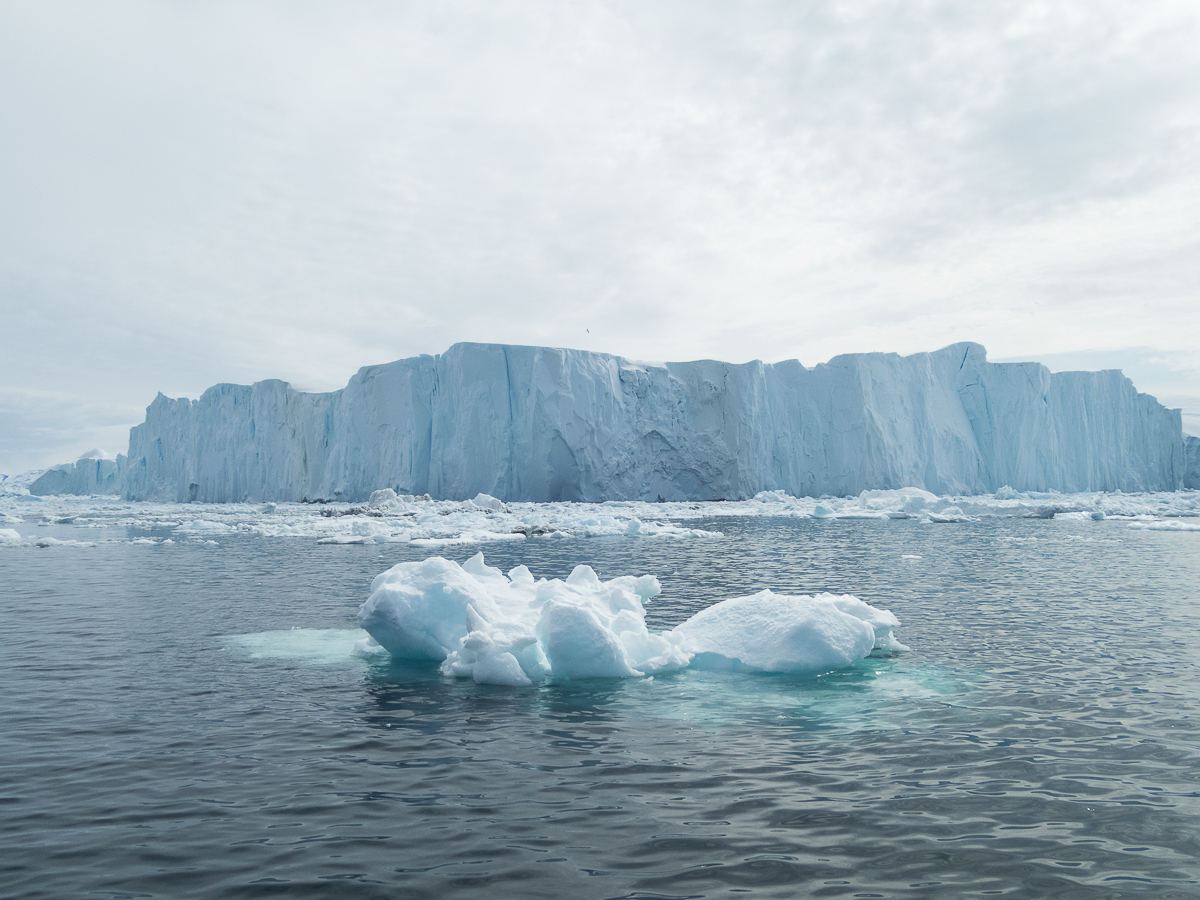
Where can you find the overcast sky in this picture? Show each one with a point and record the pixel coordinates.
(201, 192)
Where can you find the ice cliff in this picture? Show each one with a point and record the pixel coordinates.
(1191, 465)
(532, 423)
(93, 473)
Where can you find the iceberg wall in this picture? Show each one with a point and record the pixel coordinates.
(87, 475)
(1191, 466)
(533, 423)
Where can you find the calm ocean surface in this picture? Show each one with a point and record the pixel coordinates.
(1040, 739)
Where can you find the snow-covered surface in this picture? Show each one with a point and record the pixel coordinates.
(540, 424)
(515, 630)
(434, 523)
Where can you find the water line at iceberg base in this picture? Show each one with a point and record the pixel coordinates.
(514, 630)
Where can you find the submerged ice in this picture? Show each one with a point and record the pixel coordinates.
(512, 629)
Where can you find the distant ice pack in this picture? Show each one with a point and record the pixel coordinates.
(515, 630)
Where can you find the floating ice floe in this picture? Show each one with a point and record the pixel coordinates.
(204, 526)
(55, 542)
(1166, 525)
(468, 537)
(947, 515)
(515, 630)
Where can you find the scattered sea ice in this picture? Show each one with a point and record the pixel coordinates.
(1166, 525)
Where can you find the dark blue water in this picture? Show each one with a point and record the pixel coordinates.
(1041, 738)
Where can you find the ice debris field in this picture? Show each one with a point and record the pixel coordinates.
(391, 518)
(514, 630)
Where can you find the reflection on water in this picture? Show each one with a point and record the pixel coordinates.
(168, 732)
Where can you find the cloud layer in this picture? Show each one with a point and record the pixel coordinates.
(201, 193)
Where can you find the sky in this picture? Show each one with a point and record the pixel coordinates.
(194, 193)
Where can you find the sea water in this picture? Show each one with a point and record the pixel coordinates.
(190, 720)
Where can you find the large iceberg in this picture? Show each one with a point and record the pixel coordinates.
(539, 424)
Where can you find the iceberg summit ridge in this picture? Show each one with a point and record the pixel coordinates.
(542, 424)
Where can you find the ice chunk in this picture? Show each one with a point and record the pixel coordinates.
(515, 630)
(1168, 525)
(907, 500)
(381, 498)
(369, 648)
(511, 629)
(578, 644)
(949, 514)
(9, 536)
(204, 526)
(468, 537)
(769, 632)
(55, 542)
(419, 610)
(487, 501)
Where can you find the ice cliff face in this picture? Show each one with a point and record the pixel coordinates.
(1191, 452)
(531, 423)
(87, 475)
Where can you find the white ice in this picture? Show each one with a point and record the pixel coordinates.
(511, 629)
(1167, 525)
(515, 630)
(433, 523)
(770, 632)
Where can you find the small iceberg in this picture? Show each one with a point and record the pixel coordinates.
(515, 630)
